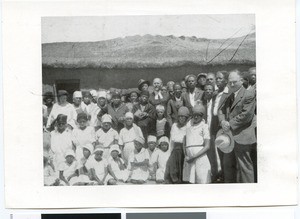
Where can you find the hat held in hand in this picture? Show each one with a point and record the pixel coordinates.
(224, 141)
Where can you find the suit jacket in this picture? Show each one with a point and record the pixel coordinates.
(186, 98)
(162, 101)
(239, 111)
(172, 110)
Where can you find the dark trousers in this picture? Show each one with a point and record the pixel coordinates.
(245, 163)
(228, 166)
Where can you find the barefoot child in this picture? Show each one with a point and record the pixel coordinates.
(159, 159)
(68, 172)
(139, 162)
(106, 136)
(197, 167)
(116, 166)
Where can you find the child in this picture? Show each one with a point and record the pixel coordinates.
(61, 141)
(50, 177)
(127, 136)
(97, 168)
(84, 177)
(152, 144)
(68, 172)
(160, 127)
(144, 113)
(174, 104)
(159, 159)
(106, 136)
(139, 162)
(197, 167)
(102, 104)
(116, 166)
(82, 135)
(174, 167)
(133, 100)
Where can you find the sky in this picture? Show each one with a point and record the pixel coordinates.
(89, 29)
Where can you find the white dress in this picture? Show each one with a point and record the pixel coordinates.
(68, 170)
(139, 173)
(126, 138)
(106, 140)
(160, 157)
(81, 138)
(99, 167)
(67, 110)
(120, 174)
(199, 171)
(60, 144)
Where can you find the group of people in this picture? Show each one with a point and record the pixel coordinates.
(199, 130)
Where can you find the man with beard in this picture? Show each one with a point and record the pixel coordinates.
(237, 115)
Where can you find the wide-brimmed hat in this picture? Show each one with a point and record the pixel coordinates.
(224, 141)
(142, 82)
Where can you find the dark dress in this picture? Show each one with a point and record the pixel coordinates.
(174, 167)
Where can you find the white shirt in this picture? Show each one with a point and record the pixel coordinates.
(209, 114)
(177, 135)
(160, 157)
(236, 93)
(67, 110)
(67, 169)
(195, 134)
(192, 98)
(107, 138)
(158, 95)
(82, 137)
(217, 100)
(128, 136)
(98, 166)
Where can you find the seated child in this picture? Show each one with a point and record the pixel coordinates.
(97, 168)
(61, 141)
(50, 177)
(139, 162)
(106, 136)
(197, 166)
(151, 142)
(84, 177)
(116, 166)
(68, 172)
(159, 159)
(160, 127)
(127, 135)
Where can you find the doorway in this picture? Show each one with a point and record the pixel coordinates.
(69, 85)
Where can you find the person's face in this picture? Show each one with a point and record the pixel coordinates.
(82, 123)
(48, 102)
(202, 80)
(77, 101)
(235, 82)
(86, 153)
(191, 83)
(138, 146)
(106, 126)
(208, 90)
(157, 84)
(98, 155)
(133, 97)
(245, 83)
(62, 99)
(220, 80)
(144, 99)
(151, 145)
(86, 100)
(144, 87)
(61, 126)
(128, 121)
(164, 146)
(253, 79)
(160, 114)
(182, 120)
(210, 79)
(69, 159)
(197, 118)
(184, 90)
(101, 101)
(116, 100)
(164, 89)
(177, 90)
(183, 84)
(114, 154)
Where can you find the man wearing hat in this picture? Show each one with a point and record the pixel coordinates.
(144, 113)
(116, 109)
(193, 95)
(63, 107)
(201, 81)
(143, 85)
(237, 115)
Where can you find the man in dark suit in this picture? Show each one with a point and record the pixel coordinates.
(237, 115)
(157, 97)
(226, 161)
(193, 95)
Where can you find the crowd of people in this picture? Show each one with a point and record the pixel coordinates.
(199, 130)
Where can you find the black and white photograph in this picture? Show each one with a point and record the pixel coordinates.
(155, 100)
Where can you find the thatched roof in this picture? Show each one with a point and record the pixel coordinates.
(149, 51)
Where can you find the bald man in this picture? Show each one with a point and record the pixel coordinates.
(237, 115)
(157, 97)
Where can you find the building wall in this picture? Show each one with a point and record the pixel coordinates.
(127, 78)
